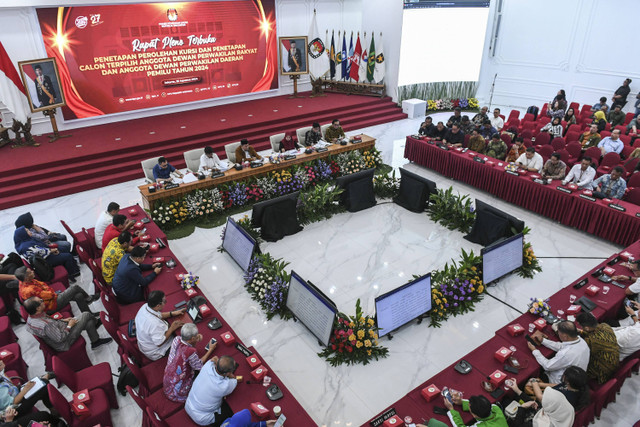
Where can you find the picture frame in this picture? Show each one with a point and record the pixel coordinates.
(41, 79)
(295, 64)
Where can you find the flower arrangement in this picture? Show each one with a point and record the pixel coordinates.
(322, 170)
(530, 263)
(350, 162)
(172, 214)
(452, 210)
(473, 103)
(237, 194)
(539, 306)
(335, 168)
(354, 340)
(372, 158)
(386, 185)
(268, 283)
(449, 104)
(267, 185)
(254, 193)
(319, 203)
(312, 176)
(189, 281)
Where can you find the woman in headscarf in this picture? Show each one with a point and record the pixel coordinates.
(43, 235)
(600, 119)
(27, 246)
(556, 411)
(289, 142)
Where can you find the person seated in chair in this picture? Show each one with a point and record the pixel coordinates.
(616, 117)
(600, 120)
(530, 161)
(289, 142)
(427, 127)
(43, 235)
(454, 136)
(209, 161)
(628, 337)
(479, 119)
(128, 282)
(484, 413)
(113, 254)
(439, 132)
(603, 348)
(163, 170)
(554, 168)
(581, 174)
(610, 185)
(246, 153)
(477, 142)
(243, 419)
(153, 332)
(456, 119)
(334, 132)
(119, 223)
(516, 150)
(496, 148)
(105, 219)
(28, 247)
(61, 334)
(590, 138)
(466, 125)
(30, 287)
(497, 122)
(487, 131)
(554, 128)
(598, 105)
(313, 136)
(611, 144)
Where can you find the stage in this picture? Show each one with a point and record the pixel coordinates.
(107, 154)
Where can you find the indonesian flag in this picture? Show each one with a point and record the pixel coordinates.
(355, 64)
(12, 92)
(318, 59)
(378, 74)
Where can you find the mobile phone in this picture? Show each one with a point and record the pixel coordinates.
(440, 410)
(280, 421)
(210, 343)
(180, 304)
(511, 369)
(627, 302)
(447, 394)
(531, 340)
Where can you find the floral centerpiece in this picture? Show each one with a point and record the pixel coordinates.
(372, 158)
(268, 283)
(539, 307)
(354, 340)
(189, 281)
(386, 185)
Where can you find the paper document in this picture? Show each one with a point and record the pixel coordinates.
(39, 384)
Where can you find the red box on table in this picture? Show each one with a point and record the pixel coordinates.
(624, 256)
(228, 338)
(259, 372)
(56, 316)
(153, 248)
(253, 361)
(204, 309)
(592, 290)
(80, 410)
(145, 238)
(259, 409)
(180, 276)
(609, 271)
(515, 329)
(393, 421)
(430, 392)
(138, 225)
(133, 211)
(572, 186)
(5, 354)
(158, 259)
(540, 324)
(497, 378)
(191, 292)
(502, 354)
(82, 396)
(574, 309)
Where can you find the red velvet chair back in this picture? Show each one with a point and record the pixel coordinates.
(71, 233)
(543, 138)
(155, 419)
(506, 138)
(610, 160)
(586, 108)
(64, 374)
(137, 398)
(76, 355)
(84, 257)
(630, 165)
(527, 134)
(626, 140)
(572, 136)
(633, 196)
(61, 404)
(605, 133)
(634, 180)
(137, 372)
(575, 106)
(558, 143)
(111, 306)
(564, 156)
(528, 117)
(624, 372)
(132, 349)
(514, 114)
(594, 153)
(546, 151)
(574, 149)
(603, 396)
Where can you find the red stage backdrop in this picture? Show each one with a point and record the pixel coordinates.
(132, 56)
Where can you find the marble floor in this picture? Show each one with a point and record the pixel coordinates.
(369, 252)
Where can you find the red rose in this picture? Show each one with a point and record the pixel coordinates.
(349, 349)
(333, 347)
(340, 350)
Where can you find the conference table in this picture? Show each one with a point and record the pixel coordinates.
(150, 199)
(614, 220)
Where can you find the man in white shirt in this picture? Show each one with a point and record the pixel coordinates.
(628, 337)
(496, 120)
(104, 220)
(611, 144)
(210, 160)
(530, 160)
(205, 403)
(153, 333)
(571, 351)
(581, 174)
(633, 290)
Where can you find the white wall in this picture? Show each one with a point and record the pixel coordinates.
(586, 47)
(20, 35)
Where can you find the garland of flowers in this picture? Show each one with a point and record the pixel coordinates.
(450, 104)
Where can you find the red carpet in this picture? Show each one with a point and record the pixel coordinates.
(108, 154)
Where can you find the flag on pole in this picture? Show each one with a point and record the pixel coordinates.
(371, 60)
(12, 92)
(362, 72)
(350, 57)
(332, 58)
(357, 53)
(318, 60)
(345, 59)
(378, 74)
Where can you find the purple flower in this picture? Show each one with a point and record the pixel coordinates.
(455, 297)
(468, 298)
(446, 305)
(455, 304)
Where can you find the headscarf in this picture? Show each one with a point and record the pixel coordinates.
(290, 144)
(23, 241)
(599, 115)
(556, 410)
(25, 219)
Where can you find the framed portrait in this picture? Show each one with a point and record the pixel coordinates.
(293, 55)
(42, 81)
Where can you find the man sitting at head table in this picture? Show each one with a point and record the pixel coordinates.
(454, 136)
(632, 291)
(128, 283)
(554, 168)
(611, 144)
(314, 135)
(476, 142)
(210, 161)
(496, 148)
(628, 337)
(581, 174)
(289, 142)
(590, 138)
(530, 160)
(516, 150)
(153, 332)
(610, 185)
(162, 171)
(334, 132)
(479, 119)
(427, 127)
(603, 347)
(246, 153)
(466, 125)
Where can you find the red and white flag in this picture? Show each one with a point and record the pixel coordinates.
(12, 92)
(355, 64)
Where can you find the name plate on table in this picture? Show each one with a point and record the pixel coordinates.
(564, 190)
(322, 150)
(617, 207)
(514, 173)
(430, 141)
(540, 181)
(256, 165)
(217, 175)
(244, 350)
(170, 186)
(589, 198)
(379, 420)
(289, 157)
(478, 159)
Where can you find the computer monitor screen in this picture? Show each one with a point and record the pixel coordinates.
(238, 243)
(501, 258)
(257, 212)
(311, 307)
(403, 304)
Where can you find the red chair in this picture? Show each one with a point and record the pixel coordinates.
(60, 275)
(131, 349)
(607, 127)
(543, 110)
(545, 151)
(98, 405)
(627, 118)
(544, 138)
(630, 165)
(528, 117)
(180, 418)
(527, 142)
(572, 136)
(71, 233)
(506, 138)
(15, 362)
(527, 134)
(575, 151)
(624, 372)
(467, 137)
(101, 285)
(573, 128)
(633, 196)
(514, 114)
(121, 313)
(543, 120)
(608, 162)
(594, 153)
(97, 376)
(156, 400)
(605, 134)
(7, 336)
(150, 377)
(528, 126)
(622, 129)
(634, 180)
(603, 396)
(558, 143)
(84, 257)
(584, 416)
(76, 356)
(575, 106)
(586, 108)
(564, 156)
(114, 330)
(512, 123)
(626, 139)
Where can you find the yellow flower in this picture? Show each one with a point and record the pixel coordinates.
(358, 344)
(480, 289)
(351, 324)
(473, 281)
(368, 352)
(370, 322)
(361, 320)
(367, 343)
(372, 334)
(473, 268)
(360, 334)
(352, 337)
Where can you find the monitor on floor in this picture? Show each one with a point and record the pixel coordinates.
(238, 243)
(501, 258)
(401, 305)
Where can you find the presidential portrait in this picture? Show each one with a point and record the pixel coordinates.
(42, 82)
(293, 55)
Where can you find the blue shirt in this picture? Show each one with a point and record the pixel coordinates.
(208, 390)
(128, 281)
(610, 145)
(613, 189)
(165, 173)
(487, 133)
(242, 419)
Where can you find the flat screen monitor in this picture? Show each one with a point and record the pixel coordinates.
(415, 191)
(314, 309)
(238, 243)
(257, 213)
(358, 190)
(401, 305)
(515, 225)
(501, 258)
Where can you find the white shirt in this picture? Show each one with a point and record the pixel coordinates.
(104, 220)
(497, 122)
(150, 330)
(569, 353)
(206, 394)
(211, 163)
(580, 177)
(534, 162)
(628, 339)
